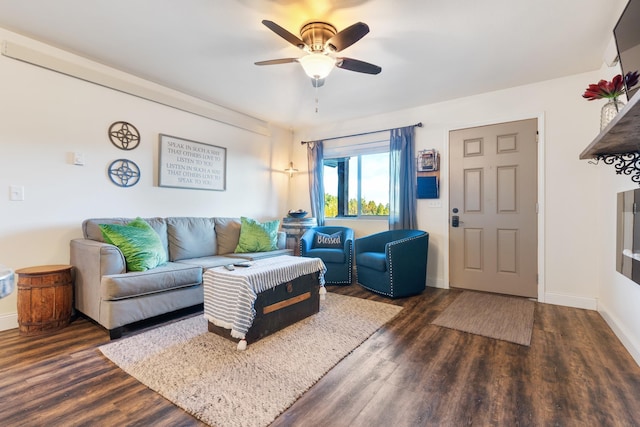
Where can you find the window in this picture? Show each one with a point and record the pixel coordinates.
(357, 185)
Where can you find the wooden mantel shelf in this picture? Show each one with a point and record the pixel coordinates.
(622, 134)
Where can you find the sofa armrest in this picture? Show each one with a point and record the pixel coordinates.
(349, 238)
(306, 241)
(282, 240)
(408, 258)
(92, 260)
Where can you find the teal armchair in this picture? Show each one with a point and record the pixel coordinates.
(334, 246)
(393, 263)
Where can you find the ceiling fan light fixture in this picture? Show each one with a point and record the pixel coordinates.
(317, 65)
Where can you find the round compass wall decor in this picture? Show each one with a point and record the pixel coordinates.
(124, 173)
(124, 135)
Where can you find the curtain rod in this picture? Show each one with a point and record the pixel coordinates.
(418, 125)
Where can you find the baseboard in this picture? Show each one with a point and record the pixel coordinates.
(571, 301)
(8, 321)
(435, 282)
(618, 328)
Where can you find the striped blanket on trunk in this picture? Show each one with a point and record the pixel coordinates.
(229, 295)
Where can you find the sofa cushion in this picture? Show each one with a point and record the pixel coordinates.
(322, 240)
(227, 234)
(91, 227)
(374, 260)
(251, 256)
(208, 261)
(166, 277)
(256, 236)
(139, 243)
(191, 237)
(327, 254)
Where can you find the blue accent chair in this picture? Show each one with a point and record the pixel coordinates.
(338, 260)
(393, 263)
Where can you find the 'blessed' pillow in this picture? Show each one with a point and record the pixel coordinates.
(139, 243)
(322, 240)
(257, 237)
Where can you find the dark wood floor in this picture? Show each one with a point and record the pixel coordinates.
(410, 373)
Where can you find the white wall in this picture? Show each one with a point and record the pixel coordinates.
(46, 116)
(618, 297)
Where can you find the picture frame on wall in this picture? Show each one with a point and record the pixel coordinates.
(428, 161)
(183, 163)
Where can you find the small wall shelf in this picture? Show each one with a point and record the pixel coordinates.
(619, 143)
(621, 136)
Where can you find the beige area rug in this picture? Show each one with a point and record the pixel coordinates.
(494, 316)
(206, 376)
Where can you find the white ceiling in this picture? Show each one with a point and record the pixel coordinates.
(429, 50)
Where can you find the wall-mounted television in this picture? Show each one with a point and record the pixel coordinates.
(627, 36)
(628, 235)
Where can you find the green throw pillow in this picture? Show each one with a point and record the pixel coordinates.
(256, 237)
(139, 243)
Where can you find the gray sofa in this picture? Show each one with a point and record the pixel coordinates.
(114, 297)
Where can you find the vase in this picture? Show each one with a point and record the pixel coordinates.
(609, 111)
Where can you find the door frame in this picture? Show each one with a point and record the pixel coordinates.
(541, 191)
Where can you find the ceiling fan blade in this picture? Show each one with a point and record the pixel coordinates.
(347, 37)
(294, 40)
(277, 61)
(357, 66)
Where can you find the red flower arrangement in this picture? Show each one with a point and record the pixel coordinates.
(612, 89)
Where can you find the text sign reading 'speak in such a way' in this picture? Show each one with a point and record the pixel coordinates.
(191, 164)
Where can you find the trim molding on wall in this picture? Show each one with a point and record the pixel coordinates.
(8, 321)
(161, 95)
(436, 282)
(621, 332)
(571, 301)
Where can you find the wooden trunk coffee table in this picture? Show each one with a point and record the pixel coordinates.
(249, 303)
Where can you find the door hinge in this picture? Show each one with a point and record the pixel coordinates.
(537, 136)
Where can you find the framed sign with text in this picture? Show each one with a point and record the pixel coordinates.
(190, 164)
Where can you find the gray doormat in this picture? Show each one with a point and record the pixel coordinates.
(494, 316)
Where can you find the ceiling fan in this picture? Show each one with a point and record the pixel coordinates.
(321, 40)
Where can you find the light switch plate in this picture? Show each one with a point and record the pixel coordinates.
(16, 193)
(78, 159)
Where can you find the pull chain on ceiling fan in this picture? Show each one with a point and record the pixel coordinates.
(321, 40)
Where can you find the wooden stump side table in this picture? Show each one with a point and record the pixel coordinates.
(45, 297)
(294, 229)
